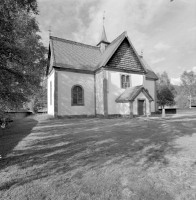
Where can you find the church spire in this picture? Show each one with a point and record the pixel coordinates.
(103, 42)
(103, 36)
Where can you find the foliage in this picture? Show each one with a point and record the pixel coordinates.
(165, 80)
(22, 55)
(188, 80)
(182, 100)
(39, 100)
(165, 96)
(187, 94)
(165, 91)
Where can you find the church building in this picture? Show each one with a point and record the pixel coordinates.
(109, 79)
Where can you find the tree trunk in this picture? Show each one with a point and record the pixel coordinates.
(163, 111)
(32, 105)
(190, 102)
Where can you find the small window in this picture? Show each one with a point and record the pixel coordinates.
(125, 81)
(77, 96)
(122, 81)
(50, 92)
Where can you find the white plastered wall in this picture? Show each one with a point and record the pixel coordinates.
(49, 92)
(114, 90)
(150, 86)
(137, 79)
(135, 104)
(99, 93)
(66, 80)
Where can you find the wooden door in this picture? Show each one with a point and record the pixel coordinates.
(140, 107)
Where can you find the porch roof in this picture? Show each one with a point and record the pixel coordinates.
(131, 93)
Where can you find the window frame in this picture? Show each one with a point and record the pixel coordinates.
(125, 84)
(72, 90)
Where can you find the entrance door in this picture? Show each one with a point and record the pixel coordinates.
(140, 107)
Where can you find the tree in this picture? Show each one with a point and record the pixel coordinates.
(165, 80)
(188, 85)
(39, 99)
(22, 55)
(165, 92)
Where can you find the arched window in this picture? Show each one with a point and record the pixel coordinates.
(77, 96)
(125, 81)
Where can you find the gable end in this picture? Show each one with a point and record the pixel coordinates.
(125, 58)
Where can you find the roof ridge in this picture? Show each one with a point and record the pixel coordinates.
(117, 38)
(120, 38)
(73, 42)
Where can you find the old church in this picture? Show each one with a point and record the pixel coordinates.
(104, 80)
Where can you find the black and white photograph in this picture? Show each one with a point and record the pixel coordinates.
(97, 99)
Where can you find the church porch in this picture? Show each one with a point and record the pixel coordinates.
(139, 101)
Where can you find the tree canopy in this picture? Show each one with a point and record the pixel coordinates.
(22, 55)
(165, 96)
(188, 88)
(165, 91)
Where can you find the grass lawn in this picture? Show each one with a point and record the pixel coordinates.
(84, 159)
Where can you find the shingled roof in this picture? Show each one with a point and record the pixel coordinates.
(131, 93)
(74, 55)
(150, 74)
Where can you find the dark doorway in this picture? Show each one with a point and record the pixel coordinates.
(140, 107)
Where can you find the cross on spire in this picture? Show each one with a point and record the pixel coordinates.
(103, 42)
(103, 17)
(103, 36)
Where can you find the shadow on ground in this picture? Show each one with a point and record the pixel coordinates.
(16, 132)
(62, 146)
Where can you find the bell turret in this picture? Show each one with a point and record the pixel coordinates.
(103, 42)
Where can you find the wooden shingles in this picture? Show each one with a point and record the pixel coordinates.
(125, 58)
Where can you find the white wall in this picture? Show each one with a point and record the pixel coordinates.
(50, 79)
(66, 80)
(99, 93)
(135, 104)
(114, 91)
(137, 79)
(150, 86)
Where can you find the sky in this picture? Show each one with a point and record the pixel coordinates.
(164, 30)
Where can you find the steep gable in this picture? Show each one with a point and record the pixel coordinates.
(110, 49)
(125, 58)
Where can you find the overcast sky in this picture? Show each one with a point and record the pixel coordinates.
(166, 31)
